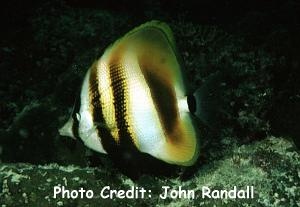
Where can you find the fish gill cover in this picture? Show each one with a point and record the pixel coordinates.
(46, 48)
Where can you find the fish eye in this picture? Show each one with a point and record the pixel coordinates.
(191, 101)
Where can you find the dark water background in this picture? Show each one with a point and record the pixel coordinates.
(44, 57)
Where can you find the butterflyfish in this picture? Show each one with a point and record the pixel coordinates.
(136, 96)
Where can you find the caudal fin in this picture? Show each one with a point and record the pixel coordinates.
(209, 100)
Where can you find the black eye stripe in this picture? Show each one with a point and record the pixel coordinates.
(75, 126)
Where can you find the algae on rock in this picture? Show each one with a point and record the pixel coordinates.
(275, 179)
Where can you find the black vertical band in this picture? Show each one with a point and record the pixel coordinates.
(75, 126)
(120, 89)
(103, 131)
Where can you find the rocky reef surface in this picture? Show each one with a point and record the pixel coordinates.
(47, 48)
(272, 166)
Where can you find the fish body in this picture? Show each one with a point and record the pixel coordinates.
(136, 96)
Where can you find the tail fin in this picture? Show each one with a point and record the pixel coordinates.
(208, 100)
